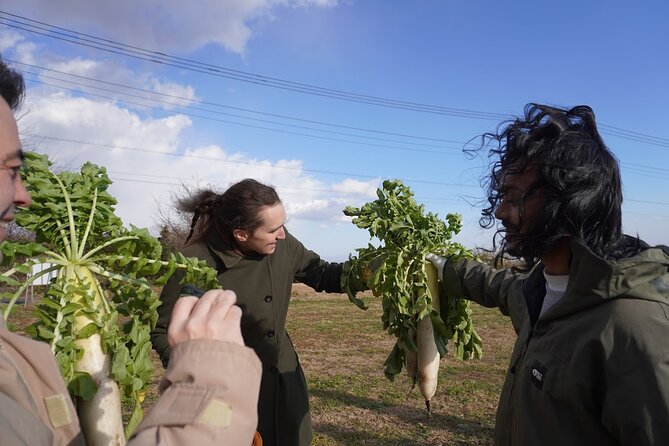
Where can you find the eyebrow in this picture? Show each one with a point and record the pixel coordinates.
(505, 188)
(278, 227)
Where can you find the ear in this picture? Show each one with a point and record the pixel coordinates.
(240, 235)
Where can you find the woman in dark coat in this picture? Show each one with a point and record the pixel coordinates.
(241, 233)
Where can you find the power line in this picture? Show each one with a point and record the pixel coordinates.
(636, 169)
(646, 174)
(250, 163)
(214, 111)
(634, 136)
(261, 127)
(217, 159)
(52, 31)
(661, 217)
(87, 40)
(300, 189)
(215, 104)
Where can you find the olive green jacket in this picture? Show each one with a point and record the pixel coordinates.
(593, 369)
(263, 285)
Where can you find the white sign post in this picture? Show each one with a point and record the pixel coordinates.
(42, 280)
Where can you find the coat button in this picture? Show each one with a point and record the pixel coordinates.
(268, 298)
(270, 334)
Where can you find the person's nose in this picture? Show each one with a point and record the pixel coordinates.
(281, 233)
(502, 211)
(21, 195)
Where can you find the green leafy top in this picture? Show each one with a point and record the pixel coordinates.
(105, 275)
(49, 213)
(408, 234)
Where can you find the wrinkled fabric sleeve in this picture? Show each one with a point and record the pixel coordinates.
(487, 286)
(351, 279)
(209, 396)
(313, 271)
(168, 297)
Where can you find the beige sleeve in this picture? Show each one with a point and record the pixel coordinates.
(209, 396)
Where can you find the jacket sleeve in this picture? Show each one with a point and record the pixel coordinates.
(168, 297)
(487, 286)
(313, 271)
(209, 396)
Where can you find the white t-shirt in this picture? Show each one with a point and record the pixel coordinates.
(555, 289)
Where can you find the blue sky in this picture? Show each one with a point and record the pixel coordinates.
(472, 64)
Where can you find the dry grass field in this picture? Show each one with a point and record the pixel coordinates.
(342, 350)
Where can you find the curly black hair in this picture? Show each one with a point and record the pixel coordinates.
(577, 174)
(12, 87)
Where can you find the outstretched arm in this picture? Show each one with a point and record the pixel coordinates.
(483, 284)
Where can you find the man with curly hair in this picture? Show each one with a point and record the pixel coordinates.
(589, 304)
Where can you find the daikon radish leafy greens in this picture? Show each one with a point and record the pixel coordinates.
(98, 311)
(407, 234)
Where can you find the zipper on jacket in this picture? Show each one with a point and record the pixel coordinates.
(521, 352)
(514, 418)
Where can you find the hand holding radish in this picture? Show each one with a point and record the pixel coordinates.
(439, 262)
(213, 316)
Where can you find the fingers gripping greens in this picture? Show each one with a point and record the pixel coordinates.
(408, 234)
(98, 312)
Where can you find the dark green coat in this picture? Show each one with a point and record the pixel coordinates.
(263, 286)
(593, 369)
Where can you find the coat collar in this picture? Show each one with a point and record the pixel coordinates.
(594, 280)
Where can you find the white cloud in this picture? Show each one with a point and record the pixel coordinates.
(17, 47)
(148, 165)
(362, 188)
(319, 3)
(81, 119)
(173, 93)
(318, 210)
(9, 39)
(322, 202)
(84, 72)
(82, 67)
(26, 52)
(168, 25)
